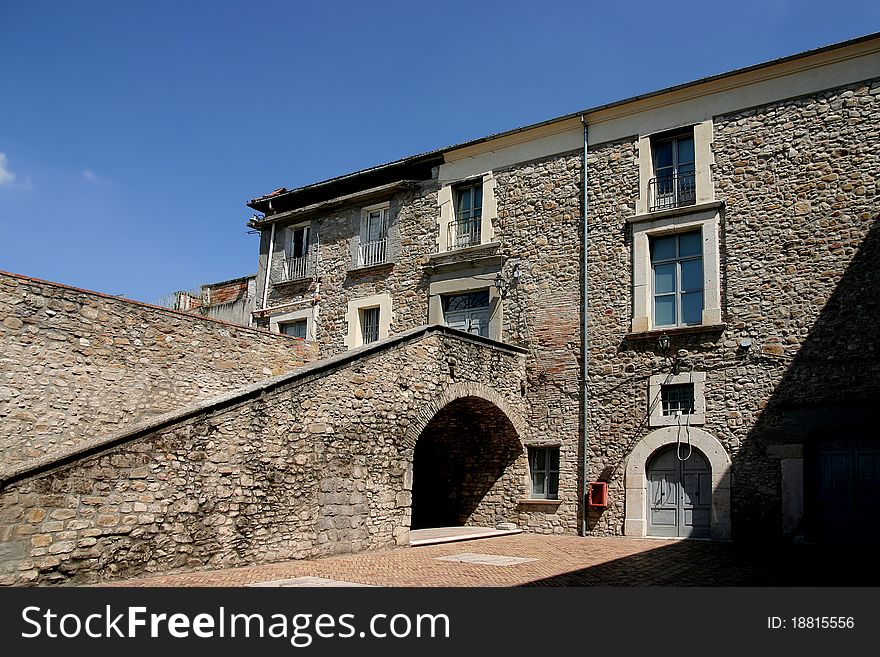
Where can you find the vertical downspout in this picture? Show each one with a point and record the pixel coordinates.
(268, 266)
(585, 343)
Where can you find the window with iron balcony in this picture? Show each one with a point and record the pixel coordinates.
(674, 184)
(372, 247)
(296, 264)
(676, 233)
(465, 229)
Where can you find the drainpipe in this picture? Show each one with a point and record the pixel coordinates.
(268, 266)
(585, 343)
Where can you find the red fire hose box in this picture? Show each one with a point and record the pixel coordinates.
(597, 494)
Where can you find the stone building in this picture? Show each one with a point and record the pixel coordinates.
(453, 355)
(728, 220)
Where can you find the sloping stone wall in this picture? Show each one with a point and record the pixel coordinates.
(76, 364)
(308, 464)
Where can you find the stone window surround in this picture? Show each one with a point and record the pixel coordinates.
(307, 314)
(636, 484)
(703, 160)
(462, 285)
(655, 407)
(706, 219)
(446, 201)
(354, 338)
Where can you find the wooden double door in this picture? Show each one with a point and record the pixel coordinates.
(679, 493)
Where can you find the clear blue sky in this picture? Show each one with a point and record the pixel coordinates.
(132, 133)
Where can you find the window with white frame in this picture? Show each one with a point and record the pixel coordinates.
(368, 319)
(675, 169)
(373, 244)
(465, 229)
(298, 323)
(677, 272)
(544, 469)
(677, 399)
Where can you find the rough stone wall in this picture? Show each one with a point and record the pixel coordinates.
(538, 225)
(75, 364)
(799, 254)
(316, 463)
(618, 395)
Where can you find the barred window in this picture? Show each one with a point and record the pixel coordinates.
(370, 324)
(677, 398)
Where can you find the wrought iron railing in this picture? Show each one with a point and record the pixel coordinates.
(672, 191)
(464, 233)
(296, 269)
(372, 253)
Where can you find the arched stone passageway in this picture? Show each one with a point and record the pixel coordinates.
(469, 467)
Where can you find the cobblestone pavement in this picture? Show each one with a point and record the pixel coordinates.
(564, 561)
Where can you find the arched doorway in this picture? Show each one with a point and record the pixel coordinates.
(642, 458)
(469, 467)
(679, 492)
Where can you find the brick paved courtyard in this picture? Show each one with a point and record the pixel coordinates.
(540, 560)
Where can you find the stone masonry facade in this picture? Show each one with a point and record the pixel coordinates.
(308, 464)
(130, 446)
(799, 267)
(76, 364)
(537, 230)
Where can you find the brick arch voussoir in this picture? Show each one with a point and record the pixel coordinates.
(453, 393)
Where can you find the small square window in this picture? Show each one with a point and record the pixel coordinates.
(544, 468)
(677, 399)
(369, 324)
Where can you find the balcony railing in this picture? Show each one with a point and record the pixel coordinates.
(464, 233)
(296, 269)
(672, 191)
(372, 253)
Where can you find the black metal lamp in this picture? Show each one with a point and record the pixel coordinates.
(663, 343)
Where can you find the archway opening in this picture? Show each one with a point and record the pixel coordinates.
(469, 467)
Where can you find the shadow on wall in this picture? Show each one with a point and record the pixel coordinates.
(812, 459)
(469, 467)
